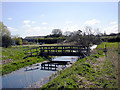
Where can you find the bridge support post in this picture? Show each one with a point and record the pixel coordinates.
(48, 66)
(55, 67)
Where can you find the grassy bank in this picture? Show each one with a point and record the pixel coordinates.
(95, 71)
(13, 59)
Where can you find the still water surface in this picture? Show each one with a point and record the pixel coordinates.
(22, 78)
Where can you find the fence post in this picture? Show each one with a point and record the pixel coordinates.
(105, 50)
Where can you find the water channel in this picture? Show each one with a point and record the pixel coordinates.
(22, 78)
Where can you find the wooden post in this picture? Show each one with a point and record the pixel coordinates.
(50, 49)
(44, 66)
(43, 49)
(41, 66)
(40, 50)
(57, 49)
(55, 67)
(47, 50)
(70, 49)
(105, 50)
(48, 66)
(62, 49)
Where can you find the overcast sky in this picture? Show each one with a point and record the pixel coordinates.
(40, 18)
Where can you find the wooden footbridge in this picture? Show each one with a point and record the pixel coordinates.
(61, 50)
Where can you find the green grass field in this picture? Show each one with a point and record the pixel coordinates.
(95, 71)
(13, 59)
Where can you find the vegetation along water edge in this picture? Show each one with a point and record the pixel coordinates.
(13, 59)
(95, 71)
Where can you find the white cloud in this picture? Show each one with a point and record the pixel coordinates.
(26, 21)
(33, 22)
(52, 27)
(36, 28)
(92, 22)
(33, 30)
(43, 23)
(113, 23)
(12, 29)
(68, 22)
(9, 18)
(38, 31)
(27, 26)
(111, 29)
(71, 28)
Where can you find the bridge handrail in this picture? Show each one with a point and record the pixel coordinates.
(62, 48)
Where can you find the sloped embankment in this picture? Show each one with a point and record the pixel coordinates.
(95, 71)
(13, 59)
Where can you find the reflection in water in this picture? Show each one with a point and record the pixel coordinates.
(22, 78)
(29, 75)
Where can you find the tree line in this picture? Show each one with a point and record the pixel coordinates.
(5, 37)
(78, 37)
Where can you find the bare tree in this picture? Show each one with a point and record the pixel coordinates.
(67, 33)
(88, 30)
(97, 31)
(84, 38)
(89, 37)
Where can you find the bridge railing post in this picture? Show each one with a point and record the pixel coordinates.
(79, 49)
(70, 49)
(62, 49)
(49, 49)
(57, 49)
(41, 50)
